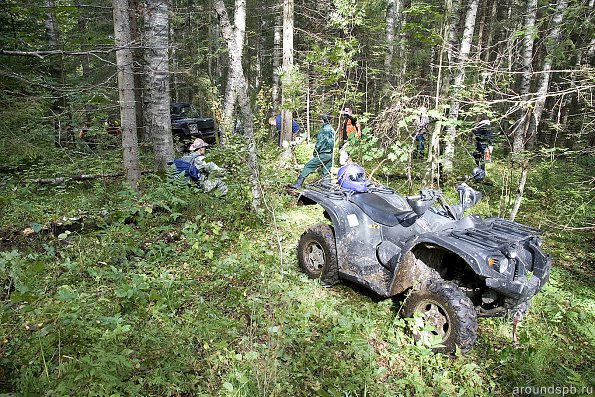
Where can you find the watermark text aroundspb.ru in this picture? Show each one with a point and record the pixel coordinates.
(569, 390)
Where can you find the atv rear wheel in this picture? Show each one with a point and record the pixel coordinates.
(317, 254)
(444, 306)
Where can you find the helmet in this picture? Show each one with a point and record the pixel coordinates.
(352, 177)
(197, 144)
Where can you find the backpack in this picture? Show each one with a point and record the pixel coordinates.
(188, 169)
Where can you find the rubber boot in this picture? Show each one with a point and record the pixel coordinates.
(298, 183)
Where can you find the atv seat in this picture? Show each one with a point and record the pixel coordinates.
(380, 210)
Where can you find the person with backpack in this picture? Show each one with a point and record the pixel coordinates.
(206, 175)
(323, 153)
(350, 127)
(421, 128)
(483, 140)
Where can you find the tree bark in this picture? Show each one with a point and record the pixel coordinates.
(459, 79)
(545, 76)
(391, 12)
(122, 38)
(52, 32)
(277, 47)
(235, 45)
(519, 132)
(137, 67)
(157, 60)
(235, 48)
(286, 114)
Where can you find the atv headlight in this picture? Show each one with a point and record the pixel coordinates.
(193, 127)
(498, 263)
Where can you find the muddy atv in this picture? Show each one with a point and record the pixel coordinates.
(451, 268)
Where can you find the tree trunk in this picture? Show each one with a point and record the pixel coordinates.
(520, 190)
(544, 81)
(137, 55)
(52, 34)
(237, 32)
(278, 33)
(235, 48)
(491, 30)
(459, 79)
(518, 143)
(122, 38)
(286, 114)
(391, 11)
(157, 60)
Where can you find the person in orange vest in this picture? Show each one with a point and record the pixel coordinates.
(350, 127)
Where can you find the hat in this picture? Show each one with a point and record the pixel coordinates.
(326, 118)
(197, 144)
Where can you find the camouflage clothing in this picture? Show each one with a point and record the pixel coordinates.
(210, 174)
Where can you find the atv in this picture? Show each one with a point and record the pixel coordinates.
(450, 268)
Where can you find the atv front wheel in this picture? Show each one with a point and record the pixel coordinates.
(317, 254)
(444, 306)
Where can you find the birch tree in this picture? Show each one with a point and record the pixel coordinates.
(237, 83)
(459, 79)
(277, 43)
(234, 38)
(157, 63)
(518, 144)
(552, 42)
(122, 38)
(286, 114)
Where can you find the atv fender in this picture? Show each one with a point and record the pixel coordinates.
(357, 238)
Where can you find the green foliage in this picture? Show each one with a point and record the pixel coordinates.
(180, 292)
(292, 82)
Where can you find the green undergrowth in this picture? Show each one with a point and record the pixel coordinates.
(180, 293)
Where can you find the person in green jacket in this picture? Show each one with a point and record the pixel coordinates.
(323, 153)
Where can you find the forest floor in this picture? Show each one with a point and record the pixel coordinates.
(175, 292)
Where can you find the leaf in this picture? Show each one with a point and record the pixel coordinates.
(36, 227)
(228, 386)
(66, 293)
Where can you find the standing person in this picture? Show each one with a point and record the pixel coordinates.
(350, 127)
(323, 152)
(421, 128)
(483, 140)
(276, 122)
(207, 175)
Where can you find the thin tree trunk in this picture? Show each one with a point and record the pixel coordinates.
(137, 55)
(157, 60)
(122, 38)
(52, 34)
(518, 143)
(391, 10)
(491, 30)
(464, 51)
(520, 190)
(544, 81)
(235, 48)
(286, 114)
(277, 46)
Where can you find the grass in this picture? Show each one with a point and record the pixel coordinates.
(179, 293)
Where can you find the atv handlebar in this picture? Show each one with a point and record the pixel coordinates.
(426, 195)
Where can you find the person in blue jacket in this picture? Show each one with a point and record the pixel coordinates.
(276, 121)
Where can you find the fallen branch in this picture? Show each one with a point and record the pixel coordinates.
(83, 177)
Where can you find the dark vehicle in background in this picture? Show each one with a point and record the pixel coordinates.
(187, 124)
